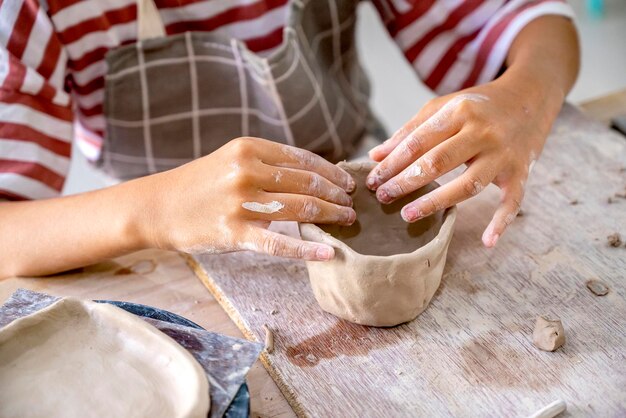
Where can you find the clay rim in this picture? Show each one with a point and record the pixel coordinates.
(199, 403)
(441, 239)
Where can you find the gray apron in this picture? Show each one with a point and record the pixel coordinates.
(172, 99)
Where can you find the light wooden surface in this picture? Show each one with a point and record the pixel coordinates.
(172, 285)
(163, 280)
(606, 107)
(470, 352)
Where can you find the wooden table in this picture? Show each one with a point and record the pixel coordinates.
(161, 279)
(606, 107)
(470, 353)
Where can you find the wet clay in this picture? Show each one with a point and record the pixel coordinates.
(385, 270)
(548, 334)
(379, 229)
(77, 359)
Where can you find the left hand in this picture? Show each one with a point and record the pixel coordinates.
(497, 130)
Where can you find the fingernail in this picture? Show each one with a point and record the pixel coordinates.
(373, 181)
(350, 217)
(383, 196)
(489, 237)
(409, 213)
(324, 253)
(494, 239)
(342, 197)
(351, 185)
(376, 148)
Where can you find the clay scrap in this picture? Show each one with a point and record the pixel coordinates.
(597, 287)
(614, 240)
(549, 334)
(269, 339)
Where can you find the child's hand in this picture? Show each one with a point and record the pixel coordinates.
(225, 201)
(496, 130)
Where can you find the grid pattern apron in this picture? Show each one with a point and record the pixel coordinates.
(172, 99)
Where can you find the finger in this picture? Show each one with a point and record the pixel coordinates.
(510, 204)
(470, 183)
(281, 155)
(426, 136)
(378, 153)
(287, 180)
(292, 207)
(443, 158)
(272, 243)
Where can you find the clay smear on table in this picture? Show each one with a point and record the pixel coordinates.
(385, 270)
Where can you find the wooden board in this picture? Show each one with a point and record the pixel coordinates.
(606, 107)
(470, 352)
(161, 279)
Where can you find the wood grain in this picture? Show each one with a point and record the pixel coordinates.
(470, 352)
(161, 279)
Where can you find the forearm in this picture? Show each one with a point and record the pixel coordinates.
(48, 236)
(543, 61)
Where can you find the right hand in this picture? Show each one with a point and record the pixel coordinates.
(225, 201)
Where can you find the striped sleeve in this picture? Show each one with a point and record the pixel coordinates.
(35, 111)
(456, 44)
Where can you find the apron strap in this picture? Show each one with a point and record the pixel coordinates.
(149, 23)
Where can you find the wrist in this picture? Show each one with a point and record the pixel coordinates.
(136, 214)
(535, 90)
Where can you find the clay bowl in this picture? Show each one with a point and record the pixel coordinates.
(385, 270)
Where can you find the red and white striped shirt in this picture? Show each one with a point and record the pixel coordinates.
(52, 62)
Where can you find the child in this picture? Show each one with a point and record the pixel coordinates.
(174, 96)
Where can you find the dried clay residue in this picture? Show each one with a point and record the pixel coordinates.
(139, 267)
(271, 207)
(614, 240)
(494, 359)
(597, 287)
(342, 339)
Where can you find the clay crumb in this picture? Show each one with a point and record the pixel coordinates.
(293, 269)
(614, 240)
(574, 202)
(269, 339)
(548, 334)
(520, 213)
(556, 181)
(610, 200)
(597, 287)
(273, 312)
